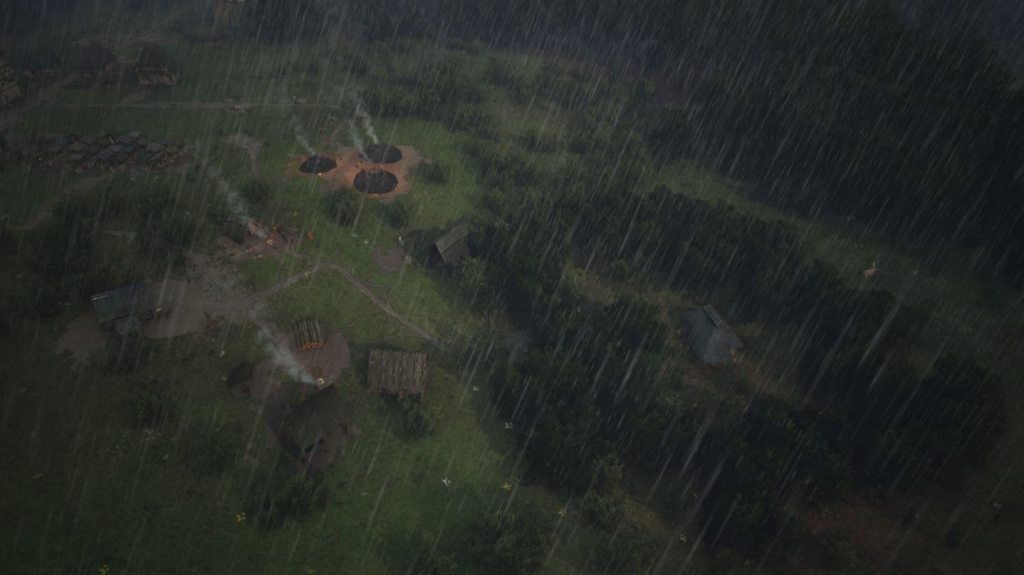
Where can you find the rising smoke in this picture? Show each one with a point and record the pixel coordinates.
(301, 136)
(282, 357)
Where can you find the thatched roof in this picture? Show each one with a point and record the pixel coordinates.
(711, 339)
(154, 56)
(398, 373)
(453, 247)
(312, 421)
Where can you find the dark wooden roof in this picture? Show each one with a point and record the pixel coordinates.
(399, 373)
(711, 339)
(120, 302)
(314, 419)
(154, 56)
(453, 247)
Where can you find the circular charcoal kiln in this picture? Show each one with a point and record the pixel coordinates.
(375, 181)
(382, 154)
(317, 165)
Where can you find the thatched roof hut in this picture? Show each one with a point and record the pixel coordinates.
(9, 89)
(155, 67)
(397, 373)
(710, 338)
(451, 249)
(307, 427)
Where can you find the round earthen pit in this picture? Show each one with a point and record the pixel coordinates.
(317, 165)
(375, 181)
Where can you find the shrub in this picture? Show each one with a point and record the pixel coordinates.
(396, 214)
(419, 420)
(255, 192)
(342, 206)
(278, 494)
(433, 173)
(150, 406)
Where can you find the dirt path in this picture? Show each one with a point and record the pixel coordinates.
(383, 305)
(363, 289)
(223, 289)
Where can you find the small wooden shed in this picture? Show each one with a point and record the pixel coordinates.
(710, 339)
(155, 67)
(9, 88)
(397, 373)
(451, 249)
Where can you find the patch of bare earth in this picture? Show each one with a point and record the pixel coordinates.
(390, 260)
(83, 338)
(351, 162)
(186, 310)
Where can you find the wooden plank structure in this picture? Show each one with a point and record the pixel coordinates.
(451, 249)
(397, 373)
(309, 334)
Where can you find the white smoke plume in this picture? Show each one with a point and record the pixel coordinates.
(234, 200)
(282, 357)
(364, 118)
(301, 136)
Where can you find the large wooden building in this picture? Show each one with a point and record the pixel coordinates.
(399, 374)
(124, 309)
(314, 425)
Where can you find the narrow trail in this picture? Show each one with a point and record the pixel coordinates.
(364, 289)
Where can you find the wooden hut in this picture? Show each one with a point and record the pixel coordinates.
(9, 88)
(451, 249)
(310, 426)
(155, 67)
(123, 309)
(397, 373)
(711, 340)
(309, 334)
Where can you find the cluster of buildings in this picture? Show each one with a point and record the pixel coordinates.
(105, 151)
(97, 65)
